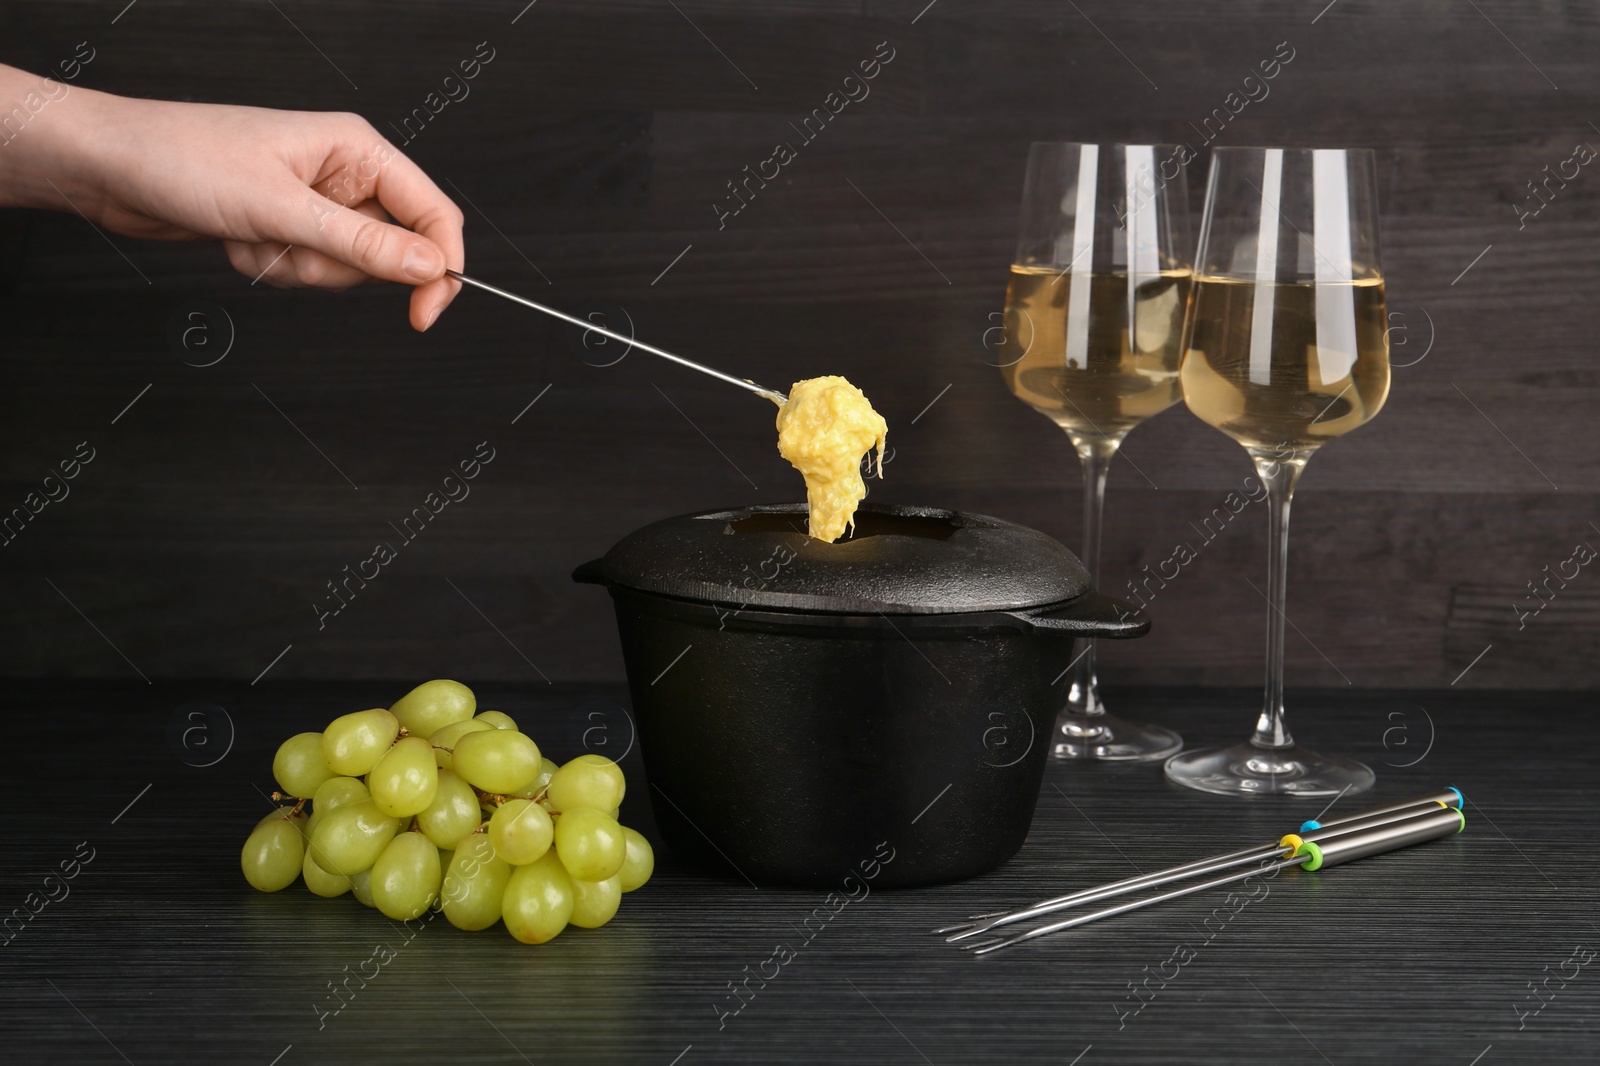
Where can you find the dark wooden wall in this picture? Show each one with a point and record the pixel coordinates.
(591, 150)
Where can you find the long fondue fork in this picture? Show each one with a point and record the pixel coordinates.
(1313, 830)
(1338, 849)
(743, 383)
(1204, 867)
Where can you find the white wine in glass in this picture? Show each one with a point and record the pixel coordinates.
(1093, 329)
(1105, 349)
(1285, 349)
(1325, 349)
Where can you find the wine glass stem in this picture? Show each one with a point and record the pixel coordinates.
(1096, 454)
(1279, 474)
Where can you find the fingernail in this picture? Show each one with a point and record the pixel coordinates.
(422, 262)
(433, 317)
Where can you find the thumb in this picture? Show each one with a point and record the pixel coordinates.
(379, 249)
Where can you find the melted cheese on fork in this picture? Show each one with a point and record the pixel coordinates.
(824, 431)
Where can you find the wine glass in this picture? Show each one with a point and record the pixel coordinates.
(1285, 349)
(1093, 324)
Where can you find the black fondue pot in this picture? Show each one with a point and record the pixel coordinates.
(806, 709)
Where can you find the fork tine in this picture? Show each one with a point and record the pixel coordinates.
(986, 946)
(974, 930)
(973, 921)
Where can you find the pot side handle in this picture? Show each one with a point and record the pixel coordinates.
(590, 573)
(1092, 614)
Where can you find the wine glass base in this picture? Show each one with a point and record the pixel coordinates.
(1246, 770)
(1107, 738)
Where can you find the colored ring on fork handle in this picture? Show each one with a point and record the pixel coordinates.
(1307, 848)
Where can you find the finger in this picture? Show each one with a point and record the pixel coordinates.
(362, 164)
(263, 263)
(312, 268)
(415, 201)
(429, 301)
(285, 267)
(374, 247)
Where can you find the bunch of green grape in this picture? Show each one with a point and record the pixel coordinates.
(428, 804)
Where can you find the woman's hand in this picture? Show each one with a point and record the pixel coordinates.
(295, 197)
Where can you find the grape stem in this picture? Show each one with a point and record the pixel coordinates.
(299, 802)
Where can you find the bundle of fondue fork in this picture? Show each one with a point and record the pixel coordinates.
(1317, 845)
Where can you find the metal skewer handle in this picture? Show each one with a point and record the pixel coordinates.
(748, 386)
(1369, 821)
(1445, 797)
(1347, 847)
(1338, 849)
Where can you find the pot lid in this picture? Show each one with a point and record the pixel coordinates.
(899, 560)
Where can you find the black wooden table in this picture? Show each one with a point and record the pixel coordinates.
(1477, 949)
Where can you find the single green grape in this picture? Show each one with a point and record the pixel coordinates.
(538, 900)
(350, 839)
(273, 853)
(321, 881)
(444, 739)
(361, 887)
(353, 743)
(298, 767)
(590, 844)
(335, 792)
(520, 831)
(332, 794)
(406, 779)
(587, 781)
(594, 903)
(640, 861)
(433, 704)
(547, 770)
(496, 760)
(498, 719)
(405, 879)
(475, 884)
(453, 813)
